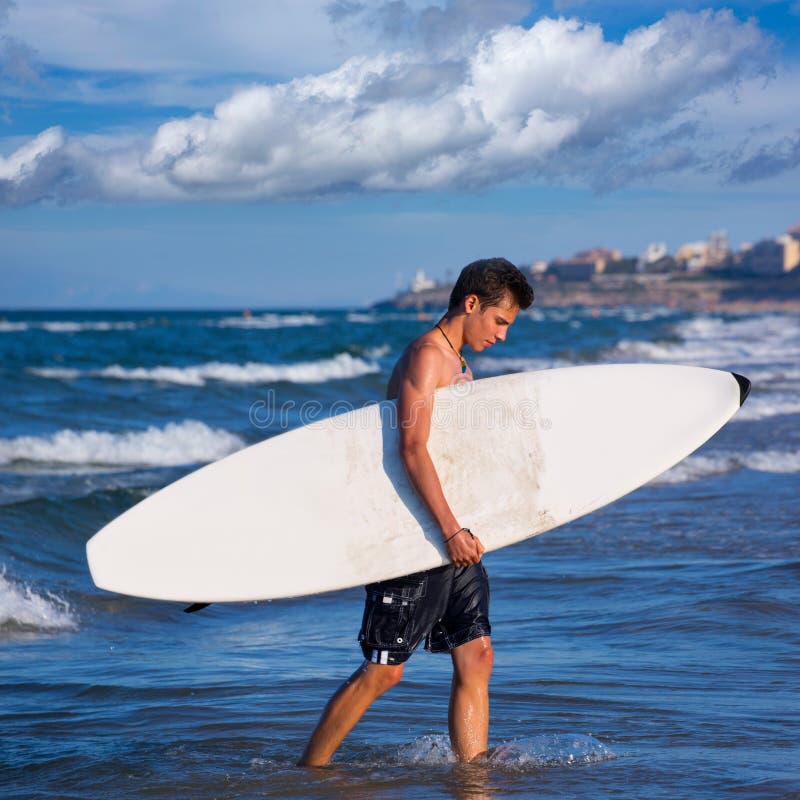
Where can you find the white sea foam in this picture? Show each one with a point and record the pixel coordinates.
(712, 341)
(775, 373)
(63, 373)
(339, 367)
(643, 314)
(78, 327)
(375, 318)
(187, 442)
(696, 467)
(767, 405)
(12, 327)
(67, 326)
(267, 321)
(489, 365)
(378, 352)
(23, 609)
(628, 313)
(186, 376)
(775, 461)
(366, 319)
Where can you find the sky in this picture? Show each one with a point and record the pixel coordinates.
(286, 154)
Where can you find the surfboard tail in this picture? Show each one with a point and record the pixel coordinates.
(744, 387)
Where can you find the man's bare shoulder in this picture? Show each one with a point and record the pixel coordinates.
(425, 347)
(423, 362)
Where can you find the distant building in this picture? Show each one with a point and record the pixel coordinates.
(568, 270)
(697, 256)
(791, 251)
(538, 267)
(693, 256)
(772, 256)
(583, 265)
(420, 283)
(719, 248)
(739, 257)
(655, 252)
(599, 256)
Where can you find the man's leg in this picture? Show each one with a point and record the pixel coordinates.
(345, 709)
(469, 698)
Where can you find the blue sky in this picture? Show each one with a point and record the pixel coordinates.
(171, 153)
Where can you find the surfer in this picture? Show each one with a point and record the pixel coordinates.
(447, 606)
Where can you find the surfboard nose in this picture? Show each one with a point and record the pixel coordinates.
(744, 387)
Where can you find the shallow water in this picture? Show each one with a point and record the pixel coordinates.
(647, 650)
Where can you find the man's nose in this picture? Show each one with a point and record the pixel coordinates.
(501, 334)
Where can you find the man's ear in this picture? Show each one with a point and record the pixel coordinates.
(471, 303)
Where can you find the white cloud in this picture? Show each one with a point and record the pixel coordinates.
(16, 57)
(23, 163)
(33, 172)
(553, 101)
(437, 25)
(186, 36)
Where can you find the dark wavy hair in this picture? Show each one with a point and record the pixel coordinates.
(492, 279)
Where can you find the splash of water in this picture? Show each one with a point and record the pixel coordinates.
(22, 609)
(532, 752)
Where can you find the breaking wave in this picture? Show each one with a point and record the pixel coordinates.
(765, 406)
(79, 327)
(340, 367)
(22, 609)
(267, 321)
(12, 327)
(66, 326)
(187, 442)
(63, 373)
(488, 365)
(696, 467)
(711, 341)
(375, 318)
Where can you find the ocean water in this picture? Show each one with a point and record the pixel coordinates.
(649, 650)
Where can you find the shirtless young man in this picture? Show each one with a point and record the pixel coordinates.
(448, 606)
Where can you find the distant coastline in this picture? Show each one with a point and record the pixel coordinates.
(690, 292)
(699, 276)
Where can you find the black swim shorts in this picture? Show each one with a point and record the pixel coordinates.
(447, 606)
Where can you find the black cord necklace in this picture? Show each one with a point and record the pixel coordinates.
(457, 352)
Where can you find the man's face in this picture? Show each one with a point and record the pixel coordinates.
(488, 325)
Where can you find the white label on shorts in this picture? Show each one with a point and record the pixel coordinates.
(380, 657)
(387, 598)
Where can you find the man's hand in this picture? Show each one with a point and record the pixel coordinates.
(465, 549)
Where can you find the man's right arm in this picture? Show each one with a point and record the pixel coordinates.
(415, 409)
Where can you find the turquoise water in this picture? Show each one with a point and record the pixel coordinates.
(647, 650)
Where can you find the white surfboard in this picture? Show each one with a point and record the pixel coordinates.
(329, 506)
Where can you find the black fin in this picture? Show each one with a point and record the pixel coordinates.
(195, 607)
(744, 387)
